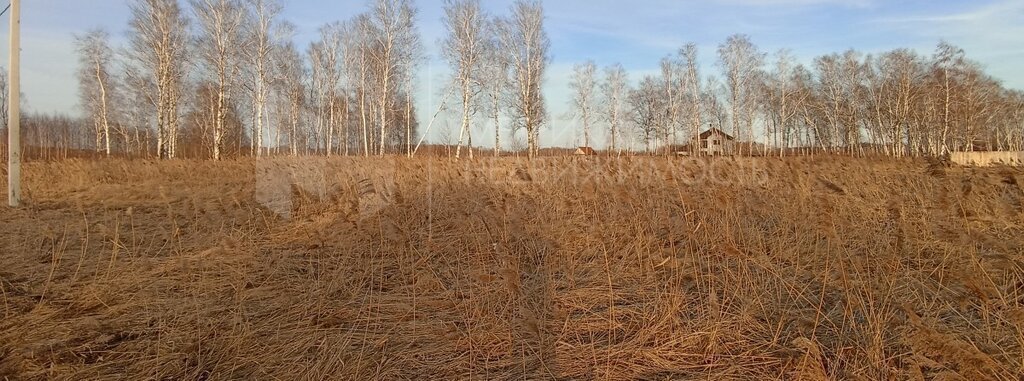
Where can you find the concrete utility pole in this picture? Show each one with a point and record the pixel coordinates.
(14, 113)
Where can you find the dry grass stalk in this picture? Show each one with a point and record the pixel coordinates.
(644, 268)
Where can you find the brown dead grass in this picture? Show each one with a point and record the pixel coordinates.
(813, 269)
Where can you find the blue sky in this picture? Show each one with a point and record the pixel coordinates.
(637, 33)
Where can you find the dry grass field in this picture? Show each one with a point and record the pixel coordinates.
(612, 269)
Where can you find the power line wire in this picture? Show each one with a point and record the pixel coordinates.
(5, 10)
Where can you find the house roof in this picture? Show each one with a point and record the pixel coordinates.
(706, 134)
(586, 151)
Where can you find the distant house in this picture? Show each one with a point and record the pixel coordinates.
(585, 151)
(715, 142)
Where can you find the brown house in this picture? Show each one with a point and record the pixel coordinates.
(585, 151)
(714, 142)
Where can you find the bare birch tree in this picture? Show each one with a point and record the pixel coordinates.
(356, 55)
(97, 84)
(711, 100)
(781, 97)
(692, 88)
(525, 40)
(741, 64)
(158, 38)
(263, 35)
(277, 111)
(392, 25)
(495, 80)
(326, 60)
(614, 94)
(648, 108)
(353, 57)
(464, 47)
(316, 54)
(584, 85)
(415, 56)
(671, 87)
(979, 91)
(219, 45)
(948, 64)
(900, 70)
(291, 93)
(336, 100)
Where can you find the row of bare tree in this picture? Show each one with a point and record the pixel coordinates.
(498, 67)
(224, 78)
(898, 103)
(43, 136)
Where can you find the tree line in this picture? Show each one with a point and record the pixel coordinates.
(897, 103)
(43, 136)
(220, 78)
(225, 78)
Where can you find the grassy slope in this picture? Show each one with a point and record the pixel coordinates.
(828, 268)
